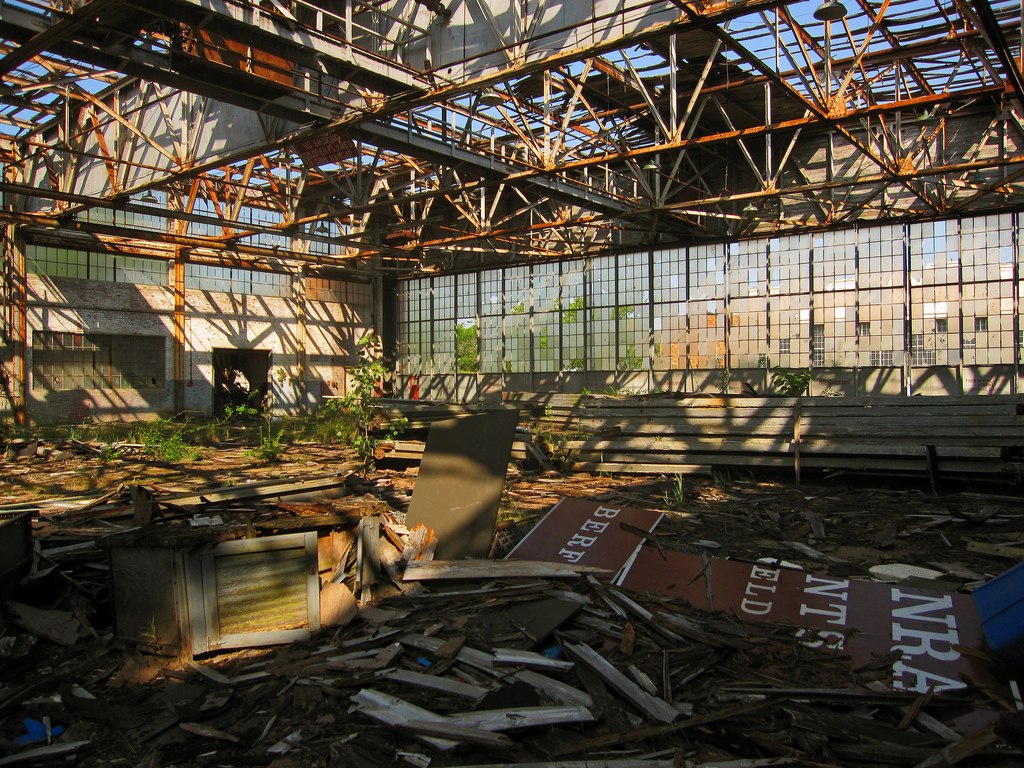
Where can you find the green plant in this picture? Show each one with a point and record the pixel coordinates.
(723, 380)
(362, 402)
(720, 477)
(792, 382)
(330, 423)
(165, 440)
(631, 361)
(149, 637)
(675, 497)
(271, 445)
(240, 411)
(571, 312)
(110, 452)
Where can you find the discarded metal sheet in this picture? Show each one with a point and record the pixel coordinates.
(583, 532)
(923, 632)
(461, 479)
(15, 541)
(526, 625)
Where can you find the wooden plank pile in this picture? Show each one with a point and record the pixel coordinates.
(500, 667)
(670, 434)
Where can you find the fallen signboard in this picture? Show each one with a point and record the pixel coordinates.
(582, 532)
(929, 641)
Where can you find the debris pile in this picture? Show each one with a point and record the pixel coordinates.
(478, 662)
(499, 671)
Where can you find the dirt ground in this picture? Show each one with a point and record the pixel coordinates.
(852, 523)
(155, 711)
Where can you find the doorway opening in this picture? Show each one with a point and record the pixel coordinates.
(241, 381)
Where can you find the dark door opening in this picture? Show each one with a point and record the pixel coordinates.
(241, 380)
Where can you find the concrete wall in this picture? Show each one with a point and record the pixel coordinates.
(213, 320)
(83, 306)
(939, 381)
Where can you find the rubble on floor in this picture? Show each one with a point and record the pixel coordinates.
(495, 662)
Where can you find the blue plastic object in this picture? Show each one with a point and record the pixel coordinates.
(35, 731)
(1000, 606)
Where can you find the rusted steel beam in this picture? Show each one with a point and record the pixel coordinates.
(994, 34)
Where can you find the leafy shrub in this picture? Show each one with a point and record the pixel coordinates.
(271, 445)
(792, 382)
(165, 441)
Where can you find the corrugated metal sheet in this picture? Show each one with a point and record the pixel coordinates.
(259, 591)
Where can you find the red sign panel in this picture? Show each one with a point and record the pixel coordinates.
(584, 532)
(864, 620)
(925, 633)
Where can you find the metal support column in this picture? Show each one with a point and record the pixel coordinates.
(180, 257)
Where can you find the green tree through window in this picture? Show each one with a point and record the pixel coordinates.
(466, 347)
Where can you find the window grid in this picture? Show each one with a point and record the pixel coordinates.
(490, 321)
(707, 307)
(93, 265)
(601, 314)
(789, 301)
(443, 345)
(631, 315)
(573, 315)
(835, 298)
(517, 306)
(64, 361)
(747, 326)
(935, 294)
(212, 277)
(755, 296)
(670, 309)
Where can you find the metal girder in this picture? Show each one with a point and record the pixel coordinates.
(993, 32)
(488, 166)
(604, 126)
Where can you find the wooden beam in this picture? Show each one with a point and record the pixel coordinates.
(439, 570)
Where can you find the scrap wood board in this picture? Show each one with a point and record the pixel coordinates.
(583, 532)
(461, 479)
(925, 637)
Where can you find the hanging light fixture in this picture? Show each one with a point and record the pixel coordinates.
(830, 10)
(749, 208)
(491, 98)
(652, 165)
(148, 197)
